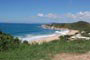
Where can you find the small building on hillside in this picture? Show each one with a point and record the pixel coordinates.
(79, 36)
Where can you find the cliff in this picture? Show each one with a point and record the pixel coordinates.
(53, 27)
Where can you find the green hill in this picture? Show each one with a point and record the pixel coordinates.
(80, 25)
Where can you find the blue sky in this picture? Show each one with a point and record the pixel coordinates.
(44, 11)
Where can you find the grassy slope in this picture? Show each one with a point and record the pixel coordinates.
(45, 51)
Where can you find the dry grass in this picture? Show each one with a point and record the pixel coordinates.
(68, 56)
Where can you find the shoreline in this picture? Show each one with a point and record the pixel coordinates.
(53, 27)
(49, 38)
(52, 38)
(45, 39)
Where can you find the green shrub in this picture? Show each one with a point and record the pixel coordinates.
(64, 37)
(26, 42)
(8, 42)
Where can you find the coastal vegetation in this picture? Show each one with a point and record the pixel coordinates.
(13, 49)
(81, 25)
(8, 42)
(46, 51)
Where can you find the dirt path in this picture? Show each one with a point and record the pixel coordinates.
(67, 56)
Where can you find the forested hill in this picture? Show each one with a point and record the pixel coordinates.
(80, 25)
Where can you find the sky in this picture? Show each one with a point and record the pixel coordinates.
(44, 11)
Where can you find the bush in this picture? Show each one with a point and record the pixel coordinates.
(64, 37)
(25, 42)
(8, 42)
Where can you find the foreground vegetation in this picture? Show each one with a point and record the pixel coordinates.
(45, 51)
(8, 42)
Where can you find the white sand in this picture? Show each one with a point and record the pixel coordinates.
(45, 39)
(53, 37)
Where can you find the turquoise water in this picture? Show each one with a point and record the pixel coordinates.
(25, 30)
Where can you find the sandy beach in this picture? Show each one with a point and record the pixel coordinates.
(52, 37)
(45, 39)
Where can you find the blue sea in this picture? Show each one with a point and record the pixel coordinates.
(26, 31)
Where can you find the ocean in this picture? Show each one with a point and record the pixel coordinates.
(26, 31)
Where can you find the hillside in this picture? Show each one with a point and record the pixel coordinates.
(80, 25)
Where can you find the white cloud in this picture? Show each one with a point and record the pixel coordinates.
(84, 16)
(80, 15)
(50, 15)
(40, 14)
